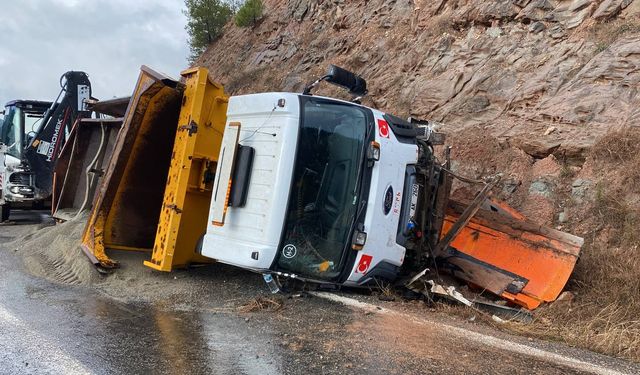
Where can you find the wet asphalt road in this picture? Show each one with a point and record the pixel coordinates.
(48, 328)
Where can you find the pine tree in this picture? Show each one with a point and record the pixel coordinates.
(249, 13)
(205, 21)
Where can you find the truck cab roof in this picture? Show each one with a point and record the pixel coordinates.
(30, 106)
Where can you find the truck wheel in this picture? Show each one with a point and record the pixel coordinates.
(5, 211)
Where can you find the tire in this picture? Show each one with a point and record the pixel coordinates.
(5, 211)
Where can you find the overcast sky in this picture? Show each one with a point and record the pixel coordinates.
(108, 39)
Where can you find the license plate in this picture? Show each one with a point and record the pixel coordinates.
(415, 191)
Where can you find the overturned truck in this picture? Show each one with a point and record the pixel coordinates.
(306, 187)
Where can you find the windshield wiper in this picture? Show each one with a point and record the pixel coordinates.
(362, 158)
(363, 203)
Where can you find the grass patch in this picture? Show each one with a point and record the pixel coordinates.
(606, 33)
(618, 216)
(442, 24)
(439, 25)
(565, 171)
(617, 146)
(620, 150)
(605, 314)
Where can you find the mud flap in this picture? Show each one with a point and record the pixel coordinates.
(501, 251)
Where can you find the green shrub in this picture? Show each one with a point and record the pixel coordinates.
(249, 13)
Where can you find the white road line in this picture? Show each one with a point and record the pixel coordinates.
(481, 338)
(23, 350)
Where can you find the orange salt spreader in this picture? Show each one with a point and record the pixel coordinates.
(501, 251)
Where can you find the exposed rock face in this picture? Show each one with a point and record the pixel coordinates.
(514, 68)
(610, 8)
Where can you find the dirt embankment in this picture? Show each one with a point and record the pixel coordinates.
(544, 92)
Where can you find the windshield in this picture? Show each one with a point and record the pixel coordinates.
(323, 200)
(12, 130)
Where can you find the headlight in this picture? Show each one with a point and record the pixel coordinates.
(21, 190)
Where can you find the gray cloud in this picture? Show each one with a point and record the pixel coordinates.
(108, 39)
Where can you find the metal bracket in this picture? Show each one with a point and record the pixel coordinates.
(466, 216)
(175, 208)
(97, 172)
(192, 128)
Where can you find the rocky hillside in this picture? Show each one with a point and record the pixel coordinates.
(513, 81)
(547, 76)
(543, 91)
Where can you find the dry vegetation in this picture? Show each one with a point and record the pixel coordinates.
(605, 314)
(604, 34)
(261, 304)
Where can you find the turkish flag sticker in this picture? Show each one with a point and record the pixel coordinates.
(383, 129)
(365, 263)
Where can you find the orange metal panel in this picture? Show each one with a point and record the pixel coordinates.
(502, 245)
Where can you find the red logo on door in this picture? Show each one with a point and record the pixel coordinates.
(383, 129)
(365, 263)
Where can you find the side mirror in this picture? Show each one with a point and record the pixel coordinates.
(350, 81)
(356, 85)
(373, 152)
(359, 240)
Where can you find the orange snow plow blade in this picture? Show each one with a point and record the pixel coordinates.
(501, 251)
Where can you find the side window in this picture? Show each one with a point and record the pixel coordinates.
(14, 133)
(10, 132)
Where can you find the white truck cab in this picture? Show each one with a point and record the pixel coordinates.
(315, 188)
(17, 181)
